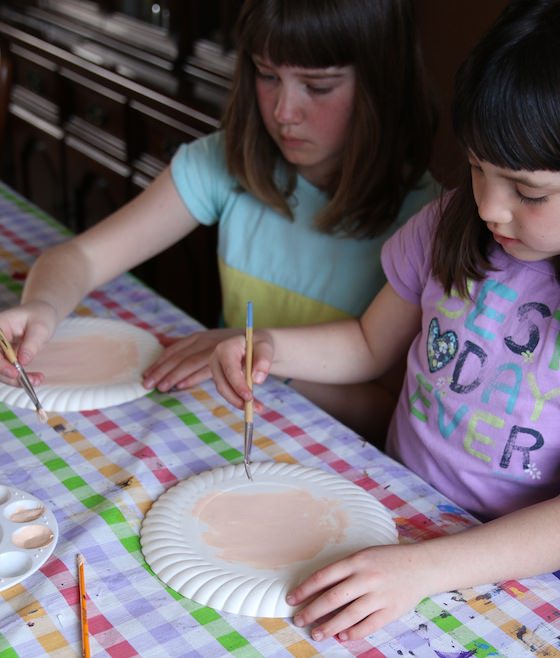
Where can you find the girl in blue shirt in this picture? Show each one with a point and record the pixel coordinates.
(323, 154)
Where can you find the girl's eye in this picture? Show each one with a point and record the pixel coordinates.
(265, 75)
(531, 199)
(319, 90)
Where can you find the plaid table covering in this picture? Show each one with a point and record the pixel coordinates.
(100, 471)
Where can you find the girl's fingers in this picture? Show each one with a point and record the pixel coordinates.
(175, 369)
(319, 581)
(168, 341)
(194, 378)
(367, 626)
(262, 357)
(346, 621)
(9, 375)
(339, 596)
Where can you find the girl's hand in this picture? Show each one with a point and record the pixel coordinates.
(228, 367)
(361, 593)
(184, 362)
(28, 327)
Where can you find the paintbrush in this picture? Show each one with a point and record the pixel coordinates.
(248, 442)
(86, 651)
(23, 379)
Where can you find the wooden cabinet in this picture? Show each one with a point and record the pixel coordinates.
(39, 164)
(103, 94)
(35, 132)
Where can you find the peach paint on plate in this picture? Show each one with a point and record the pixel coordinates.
(270, 530)
(87, 360)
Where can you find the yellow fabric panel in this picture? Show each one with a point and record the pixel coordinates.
(273, 306)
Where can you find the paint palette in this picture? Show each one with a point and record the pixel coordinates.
(239, 546)
(28, 535)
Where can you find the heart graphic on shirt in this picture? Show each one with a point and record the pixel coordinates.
(441, 347)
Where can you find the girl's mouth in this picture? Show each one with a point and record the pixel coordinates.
(505, 242)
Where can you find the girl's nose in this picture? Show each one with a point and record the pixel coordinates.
(493, 204)
(288, 109)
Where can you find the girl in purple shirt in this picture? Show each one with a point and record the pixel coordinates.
(473, 297)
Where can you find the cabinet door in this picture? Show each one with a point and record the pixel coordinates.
(38, 162)
(97, 185)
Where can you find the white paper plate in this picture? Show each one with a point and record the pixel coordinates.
(28, 535)
(91, 363)
(330, 517)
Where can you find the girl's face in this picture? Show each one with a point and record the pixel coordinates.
(520, 208)
(307, 113)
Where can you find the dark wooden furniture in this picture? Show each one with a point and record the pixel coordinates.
(103, 93)
(5, 87)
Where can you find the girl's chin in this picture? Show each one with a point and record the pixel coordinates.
(523, 253)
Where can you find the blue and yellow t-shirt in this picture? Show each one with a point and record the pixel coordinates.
(294, 274)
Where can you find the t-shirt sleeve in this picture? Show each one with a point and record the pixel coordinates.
(406, 256)
(199, 172)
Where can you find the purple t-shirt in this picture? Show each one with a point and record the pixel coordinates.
(478, 416)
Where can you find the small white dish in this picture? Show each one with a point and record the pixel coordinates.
(90, 363)
(240, 546)
(28, 535)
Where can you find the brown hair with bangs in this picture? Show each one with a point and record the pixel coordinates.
(506, 111)
(391, 133)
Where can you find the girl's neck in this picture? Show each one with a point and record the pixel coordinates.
(319, 179)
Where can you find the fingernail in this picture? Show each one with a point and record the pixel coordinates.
(290, 599)
(298, 621)
(343, 636)
(259, 377)
(148, 383)
(317, 635)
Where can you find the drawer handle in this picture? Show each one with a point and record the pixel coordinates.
(96, 115)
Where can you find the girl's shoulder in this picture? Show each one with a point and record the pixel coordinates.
(208, 150)
(200, 175)
(406, 256)
(419, 230)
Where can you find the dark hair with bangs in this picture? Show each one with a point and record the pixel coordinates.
(391, 133)
(506, 111)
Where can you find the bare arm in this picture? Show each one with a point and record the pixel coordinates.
(379, 584)
(64, 274)
(343, 352)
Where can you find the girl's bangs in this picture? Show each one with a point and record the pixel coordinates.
(296, 38)
(512, 122)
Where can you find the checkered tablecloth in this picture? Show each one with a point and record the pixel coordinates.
(99, 472)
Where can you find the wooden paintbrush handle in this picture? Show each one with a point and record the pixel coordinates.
(249, 360)
(7, 348)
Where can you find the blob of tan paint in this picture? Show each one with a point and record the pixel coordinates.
(87, 360)
(33, 536)
(270, 530)
(24, 515)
